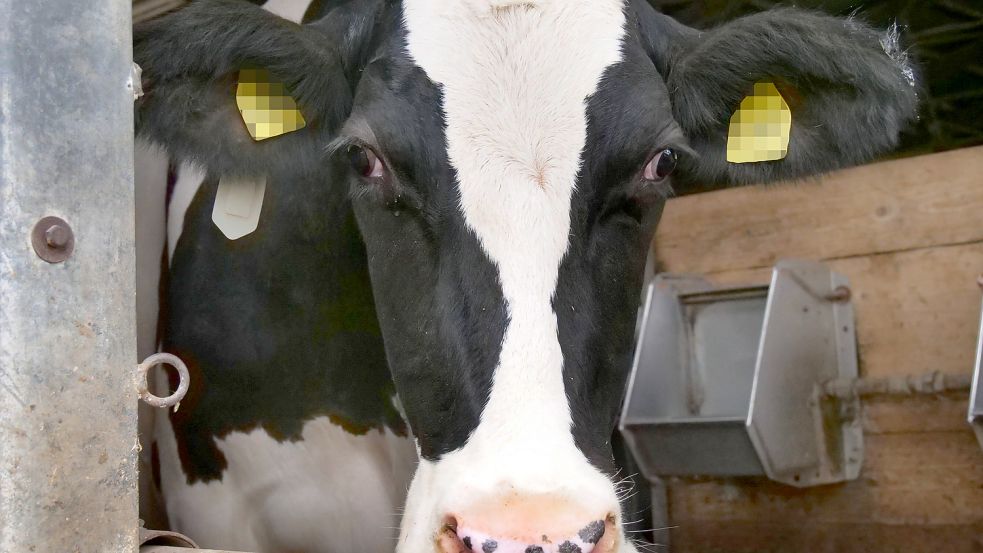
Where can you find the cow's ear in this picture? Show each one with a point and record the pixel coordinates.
(836, 90)
(215, 71)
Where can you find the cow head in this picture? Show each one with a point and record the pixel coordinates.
(507, 162)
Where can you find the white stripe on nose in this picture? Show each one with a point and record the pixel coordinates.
(515, 80)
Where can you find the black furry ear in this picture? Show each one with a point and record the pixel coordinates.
(851, 91)
(191, 59)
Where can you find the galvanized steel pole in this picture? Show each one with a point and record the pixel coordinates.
(68, 480)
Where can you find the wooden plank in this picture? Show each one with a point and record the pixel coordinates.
(884, 207)
(907, 479)
(711, 536)
(907, 415)
(909, 236)
(917, 311)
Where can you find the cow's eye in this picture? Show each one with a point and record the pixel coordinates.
(365, 162)
(660, 166)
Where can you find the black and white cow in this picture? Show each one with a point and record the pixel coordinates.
(495, 169)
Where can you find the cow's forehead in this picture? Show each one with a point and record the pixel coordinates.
(514, 80)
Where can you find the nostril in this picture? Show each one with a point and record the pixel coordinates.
(608, 536)
(448, 540)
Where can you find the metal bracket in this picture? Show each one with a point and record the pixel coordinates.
(729, 381)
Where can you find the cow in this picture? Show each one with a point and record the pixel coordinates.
(455, 239)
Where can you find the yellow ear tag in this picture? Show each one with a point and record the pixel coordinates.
(759, 129)
(266, 107)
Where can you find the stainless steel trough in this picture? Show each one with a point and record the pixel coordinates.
(728, 381)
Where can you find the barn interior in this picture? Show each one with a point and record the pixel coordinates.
(905, 234)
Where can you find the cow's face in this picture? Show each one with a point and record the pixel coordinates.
(509, 166)
(507, 162)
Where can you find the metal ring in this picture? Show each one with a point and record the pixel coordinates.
(183, 383)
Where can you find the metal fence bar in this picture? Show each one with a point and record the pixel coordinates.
(168, 549)
(68, 481)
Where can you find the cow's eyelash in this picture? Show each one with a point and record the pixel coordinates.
(342, 143)
(337, 145)
(360, 191)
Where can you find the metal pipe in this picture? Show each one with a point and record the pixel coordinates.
(68, 409)
(171, 549)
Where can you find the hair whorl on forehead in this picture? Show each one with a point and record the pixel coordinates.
(499, 6)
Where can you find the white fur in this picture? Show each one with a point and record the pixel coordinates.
(330, 492)
(187, 182)
(515, 77)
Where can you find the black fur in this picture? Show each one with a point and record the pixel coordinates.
(277, 327)
(190, 61)
(850, 100)
(439, 301)
(287, 311)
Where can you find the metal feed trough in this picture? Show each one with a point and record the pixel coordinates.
(729, 381)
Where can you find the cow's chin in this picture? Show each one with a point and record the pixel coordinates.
(446, 513)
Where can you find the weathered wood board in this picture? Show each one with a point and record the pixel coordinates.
(909, 236)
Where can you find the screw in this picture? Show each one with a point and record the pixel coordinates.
(839, 294)
(56, 236)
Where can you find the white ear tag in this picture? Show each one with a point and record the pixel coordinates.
(238, 203)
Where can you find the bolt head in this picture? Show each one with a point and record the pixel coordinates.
(52, 239)
(56, 236)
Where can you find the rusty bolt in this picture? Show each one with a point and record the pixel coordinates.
(839, 294)
(52, 239)
(56, 236)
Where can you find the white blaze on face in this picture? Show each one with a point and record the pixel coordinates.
(515, 78)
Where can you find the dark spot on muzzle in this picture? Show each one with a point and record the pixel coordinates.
(569, 547)
(592, 532)
(489, 546)
(534, 549)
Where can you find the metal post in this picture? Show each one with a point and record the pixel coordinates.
(68, 480)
